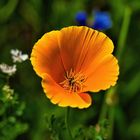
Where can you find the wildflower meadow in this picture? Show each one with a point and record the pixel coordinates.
(69, 70)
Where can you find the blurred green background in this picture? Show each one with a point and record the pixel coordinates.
(22, 23)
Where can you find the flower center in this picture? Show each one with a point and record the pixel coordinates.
(74, 82)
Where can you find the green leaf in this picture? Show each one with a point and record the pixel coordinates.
(7, 10)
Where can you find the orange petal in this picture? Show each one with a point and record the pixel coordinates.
(45, 56)
(100, 45)
(80, 45)
(72, 42)
(63, 98)
(103, 75)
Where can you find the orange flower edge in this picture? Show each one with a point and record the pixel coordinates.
(59, 96)
(72, 62)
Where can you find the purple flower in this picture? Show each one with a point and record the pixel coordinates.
(102, 20)
(81, 18)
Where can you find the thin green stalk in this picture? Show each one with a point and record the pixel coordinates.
(106, 109)
(123, 33)
(120, 50)
(111, 122)
(103, 112)
(67, 124)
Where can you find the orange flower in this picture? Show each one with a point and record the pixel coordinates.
(72, 62)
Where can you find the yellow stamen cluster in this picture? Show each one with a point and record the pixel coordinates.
(74, 82)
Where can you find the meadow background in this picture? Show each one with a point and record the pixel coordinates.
(29, 115)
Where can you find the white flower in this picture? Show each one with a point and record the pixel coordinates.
(10, 70)
(17, 56)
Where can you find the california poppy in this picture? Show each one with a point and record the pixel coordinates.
(72, 62)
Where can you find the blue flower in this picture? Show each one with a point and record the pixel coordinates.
(102, 20)
(81, 18)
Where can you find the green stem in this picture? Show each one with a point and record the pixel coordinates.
(7, 10)
(67, 124)
(7, 79)
(120, 50)
(103, 112)
(123, 33)
(111, 122)
(106, 109)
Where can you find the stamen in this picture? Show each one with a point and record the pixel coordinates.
(74, 82)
